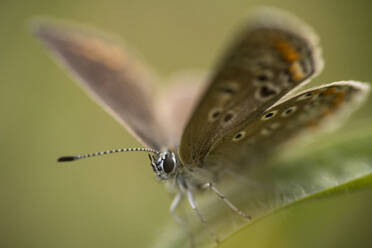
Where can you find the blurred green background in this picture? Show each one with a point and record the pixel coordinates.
(115, 201)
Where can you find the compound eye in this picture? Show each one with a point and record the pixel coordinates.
(168, 164)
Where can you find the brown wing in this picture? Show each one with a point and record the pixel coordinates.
(113, 78)
(271, 57)
(251, 142)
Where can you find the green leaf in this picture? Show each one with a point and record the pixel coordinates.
(334, 165)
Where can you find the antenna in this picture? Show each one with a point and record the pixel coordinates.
(88, 155)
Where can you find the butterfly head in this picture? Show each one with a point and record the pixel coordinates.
(164, 165)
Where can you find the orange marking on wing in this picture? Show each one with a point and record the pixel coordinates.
(339, 99)
(328, 92)
(296, 71)
(97, 51)
(312, 124)
(288, 52)
(326, 112)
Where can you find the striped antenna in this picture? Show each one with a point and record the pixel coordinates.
(88, 155)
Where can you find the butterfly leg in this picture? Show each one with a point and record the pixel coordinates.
(227, 201)
(175, 203)
(194, 206)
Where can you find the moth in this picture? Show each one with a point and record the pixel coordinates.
(245, 111)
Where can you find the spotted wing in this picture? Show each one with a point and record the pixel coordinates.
(251, 142)
(273, 55)
(113, 78)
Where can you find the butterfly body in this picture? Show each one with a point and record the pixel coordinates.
(246, 112)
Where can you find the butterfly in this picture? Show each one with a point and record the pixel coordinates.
(247, 110)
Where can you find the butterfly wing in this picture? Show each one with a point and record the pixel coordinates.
(113, 78)
(176, 103)
(256, 140)
(273, 55)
